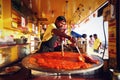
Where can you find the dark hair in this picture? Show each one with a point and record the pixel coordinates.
(94, 34)
(90, 36)
(60, 18)
(84, 35)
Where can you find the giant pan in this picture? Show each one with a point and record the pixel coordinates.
(86, 71)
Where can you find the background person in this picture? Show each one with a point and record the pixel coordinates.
(84, 43)
(97, 43)
(91, 41)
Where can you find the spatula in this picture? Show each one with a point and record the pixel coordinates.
(81, 58)
(62, 48)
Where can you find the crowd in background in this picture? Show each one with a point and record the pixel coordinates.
(93, 43)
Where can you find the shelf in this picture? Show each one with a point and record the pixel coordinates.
(8, 45)
(13, 29)
(16, 20)
(18, 29)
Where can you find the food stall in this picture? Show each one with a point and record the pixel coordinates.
(28, 18)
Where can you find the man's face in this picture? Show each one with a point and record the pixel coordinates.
(95, 37)
(61, 24)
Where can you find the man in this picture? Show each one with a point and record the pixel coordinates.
(91, 41)
(51, 34)
(96, 44)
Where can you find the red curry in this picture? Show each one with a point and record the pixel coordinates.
(54, 60)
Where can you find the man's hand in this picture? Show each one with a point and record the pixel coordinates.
(72, 39)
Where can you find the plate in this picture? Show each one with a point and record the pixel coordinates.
(10, 70)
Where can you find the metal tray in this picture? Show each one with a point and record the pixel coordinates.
(9, 70)
(95, 67)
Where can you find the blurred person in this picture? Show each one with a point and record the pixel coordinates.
(84, 43)
(91, 41)
(97, 43)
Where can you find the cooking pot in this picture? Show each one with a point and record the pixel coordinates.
(18, 41)
(24, 39)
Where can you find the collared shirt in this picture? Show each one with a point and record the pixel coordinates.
(48, 33)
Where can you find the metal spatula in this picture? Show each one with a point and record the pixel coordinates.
(78, 49)
(81, 58)
(62, 48)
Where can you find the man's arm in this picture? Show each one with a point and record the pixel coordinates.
(61, 33)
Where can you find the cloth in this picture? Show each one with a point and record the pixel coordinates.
(75, 34)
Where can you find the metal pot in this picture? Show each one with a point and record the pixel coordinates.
(24, 39)
(88, 71)
(18, 41)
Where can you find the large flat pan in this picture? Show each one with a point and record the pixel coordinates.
(26, 63)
